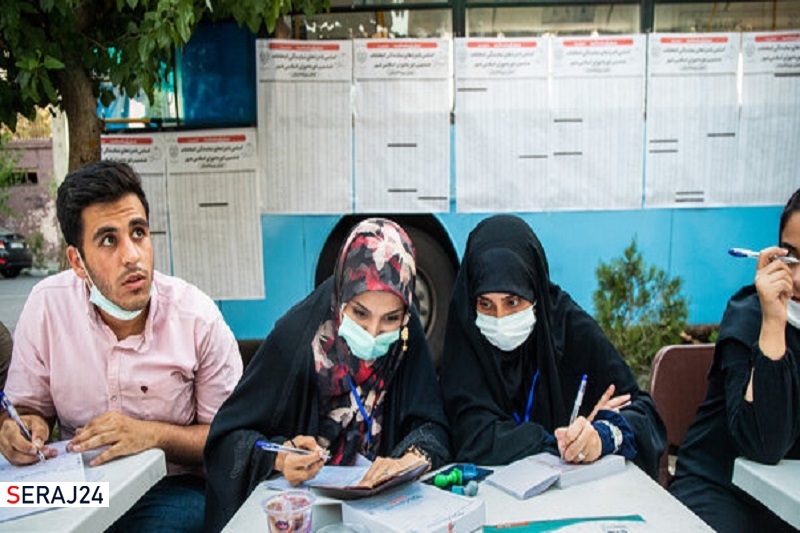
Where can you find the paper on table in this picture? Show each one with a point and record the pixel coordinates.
(333, 476)
(65, 466)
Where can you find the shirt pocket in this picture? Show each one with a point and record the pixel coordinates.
(166, 398)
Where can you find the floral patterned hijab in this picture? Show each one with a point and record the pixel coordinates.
(377, 256)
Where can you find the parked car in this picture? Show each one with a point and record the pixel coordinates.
(14, 253)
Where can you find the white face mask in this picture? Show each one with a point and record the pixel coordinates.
(793, 313)
(99, 299)
(509, 331)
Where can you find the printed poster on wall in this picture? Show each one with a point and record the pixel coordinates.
(305, 125)
(214, 216)
(769, 128)
(596, 123)
(501, 124)
(692, 119)
(145, 154)
(402, 125)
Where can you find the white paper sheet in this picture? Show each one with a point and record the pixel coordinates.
(213, 205)
(597, 123)
(65, 467)
(769, 129)
(501, 123)
(145, 154)
(402, 125)
(692, 119)
(305, 126)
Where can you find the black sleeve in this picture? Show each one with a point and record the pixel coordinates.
(767, 428)
(273, 401)
(417, 400)
(607, 366)
(482, 431)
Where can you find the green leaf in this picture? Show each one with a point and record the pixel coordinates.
(51, 63)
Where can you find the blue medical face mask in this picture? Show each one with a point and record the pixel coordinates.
(362, 344)
(97, 298)
(509, 331)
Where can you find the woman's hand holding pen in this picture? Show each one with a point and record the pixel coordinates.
(774, 285)
(579, 442)
(296, 467)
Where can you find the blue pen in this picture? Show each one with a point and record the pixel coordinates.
(744, 252)
(6, 404)
(578, 400)
(277, 448)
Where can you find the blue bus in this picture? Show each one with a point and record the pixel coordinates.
(214, 86)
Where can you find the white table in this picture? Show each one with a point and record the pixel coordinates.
(776, 486)
(628, 493)
(128, 479)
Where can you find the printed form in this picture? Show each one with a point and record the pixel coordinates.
(692, 113)
(213, 205)
(501, 124)
(305, 126)
(769, 131)
(402, 125)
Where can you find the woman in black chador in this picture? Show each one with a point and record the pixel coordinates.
(752, 406)
(347, 369)
(516, 350)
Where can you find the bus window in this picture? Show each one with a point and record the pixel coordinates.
(533, 21)
(727, 16)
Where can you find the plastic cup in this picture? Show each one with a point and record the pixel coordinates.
(289, 512)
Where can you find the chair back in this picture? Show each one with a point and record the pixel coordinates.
(678, 383)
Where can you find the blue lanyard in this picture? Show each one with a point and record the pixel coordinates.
(367, 419)
(530, 402)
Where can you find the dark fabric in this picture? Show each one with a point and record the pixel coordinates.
(278, 398)
(5, 353)
(483, 386)
(174, 504)
(726, 425)
(726, 510)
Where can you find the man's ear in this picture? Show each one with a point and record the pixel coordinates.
(75, 261)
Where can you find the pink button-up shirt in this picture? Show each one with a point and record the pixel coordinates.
(67, 362)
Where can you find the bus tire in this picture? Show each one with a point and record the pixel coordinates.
(435, 277)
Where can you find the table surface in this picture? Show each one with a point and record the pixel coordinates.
(128, 479)
(776, 486)
(628, 493)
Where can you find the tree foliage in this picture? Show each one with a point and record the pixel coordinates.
(58, 52)
(639, 308)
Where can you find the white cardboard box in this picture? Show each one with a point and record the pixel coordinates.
(416, 507)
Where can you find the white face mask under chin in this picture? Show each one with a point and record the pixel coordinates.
(793, 313)
(507, 332)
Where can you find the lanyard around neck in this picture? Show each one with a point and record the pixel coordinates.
(530, 402)
(367, 419)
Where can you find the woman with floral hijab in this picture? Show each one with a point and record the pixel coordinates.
(346, 371)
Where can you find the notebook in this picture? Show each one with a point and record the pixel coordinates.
(534, 474)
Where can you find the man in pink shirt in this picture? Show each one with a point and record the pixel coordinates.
(120, 355)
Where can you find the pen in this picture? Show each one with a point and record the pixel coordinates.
(6, 404)
(744, 252)
(272, 447)
(578, 400)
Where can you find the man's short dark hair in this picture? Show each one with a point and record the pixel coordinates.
(95, 183)
(792, 207)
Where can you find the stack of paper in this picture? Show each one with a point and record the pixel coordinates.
(532, 475)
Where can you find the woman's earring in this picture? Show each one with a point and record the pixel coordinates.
(404, 336)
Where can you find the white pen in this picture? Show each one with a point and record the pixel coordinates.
(9, 408)
(744, 252)
(578, 400)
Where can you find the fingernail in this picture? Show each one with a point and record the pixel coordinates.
(76, 448)
(38, 442)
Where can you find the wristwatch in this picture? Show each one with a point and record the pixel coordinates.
(615, 432)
